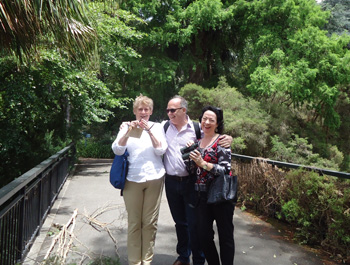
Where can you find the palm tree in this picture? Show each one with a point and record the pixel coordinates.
(23, 22)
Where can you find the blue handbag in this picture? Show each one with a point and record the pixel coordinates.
(119, 170)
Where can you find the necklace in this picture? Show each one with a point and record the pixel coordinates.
(208, 142)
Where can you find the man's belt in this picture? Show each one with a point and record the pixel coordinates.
(177, 178)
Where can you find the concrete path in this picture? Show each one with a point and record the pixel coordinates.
(89, 191)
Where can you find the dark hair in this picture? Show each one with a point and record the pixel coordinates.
(219, 117)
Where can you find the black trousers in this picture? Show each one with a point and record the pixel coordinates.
(223, 216)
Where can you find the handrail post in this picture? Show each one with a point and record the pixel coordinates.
(20, 239)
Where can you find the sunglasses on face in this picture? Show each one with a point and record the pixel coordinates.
(172, 110)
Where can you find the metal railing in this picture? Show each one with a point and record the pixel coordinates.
(295, 166)
(26, 201)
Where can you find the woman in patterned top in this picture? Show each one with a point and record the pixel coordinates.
(212, 161)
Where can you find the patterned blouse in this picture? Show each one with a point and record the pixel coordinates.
(220, 157)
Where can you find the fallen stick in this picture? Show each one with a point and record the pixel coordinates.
(62, 233)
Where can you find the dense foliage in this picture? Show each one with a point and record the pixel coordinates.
(95, 147)
(275, 52)
(43, 107)
(339, 21)
(252, 126)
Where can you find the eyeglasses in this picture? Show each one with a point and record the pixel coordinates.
(172, 110)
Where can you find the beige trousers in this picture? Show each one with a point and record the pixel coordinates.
(142, 201)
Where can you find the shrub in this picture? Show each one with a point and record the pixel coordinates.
(244, 119)
(317, 207)
(297, 150)
(95, 148)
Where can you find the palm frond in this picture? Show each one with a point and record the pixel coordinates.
(22, 22)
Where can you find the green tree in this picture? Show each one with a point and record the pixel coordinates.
(339, 21)
(291, 59)
(196, 35)
(274, 48)
(274, 51)
(49, 100)
(43, 107)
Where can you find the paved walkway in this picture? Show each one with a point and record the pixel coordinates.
(89, 191)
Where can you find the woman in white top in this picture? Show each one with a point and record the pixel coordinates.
(144, 182)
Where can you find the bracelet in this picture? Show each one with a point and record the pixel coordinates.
(150, 127)
(205, 167)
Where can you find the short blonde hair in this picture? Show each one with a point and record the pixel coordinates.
(143, 100)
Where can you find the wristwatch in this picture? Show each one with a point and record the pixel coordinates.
(205, 167)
